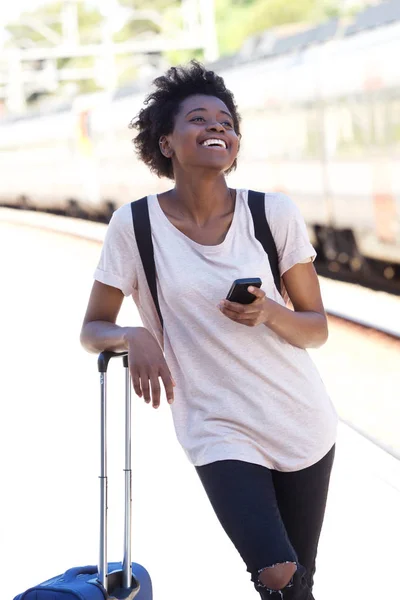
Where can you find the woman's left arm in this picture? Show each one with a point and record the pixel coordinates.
(305, 327)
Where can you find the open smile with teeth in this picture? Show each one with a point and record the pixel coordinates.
(214, 142)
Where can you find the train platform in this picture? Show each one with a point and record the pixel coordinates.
(49, 443)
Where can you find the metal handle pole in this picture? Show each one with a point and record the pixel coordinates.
(102, 567)
(102, 364)
(127, 563)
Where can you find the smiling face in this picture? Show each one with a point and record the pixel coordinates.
(203, 136)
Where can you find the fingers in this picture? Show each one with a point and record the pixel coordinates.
(257, 292)
(246, 314)
(240, 309)
(244, 309)
(136, 384)
(168, 384)
(147, 384)
(155, 389)
(144, 380)
(242, 318)
(150, 388)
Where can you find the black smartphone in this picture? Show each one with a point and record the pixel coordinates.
(239, 293)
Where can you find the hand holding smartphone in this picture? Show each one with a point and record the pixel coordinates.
(239, 293)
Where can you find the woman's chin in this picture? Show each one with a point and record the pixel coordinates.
(218, 166)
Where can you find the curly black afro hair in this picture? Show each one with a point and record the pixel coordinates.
(162, 105)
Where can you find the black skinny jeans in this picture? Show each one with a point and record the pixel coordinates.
(271, 517)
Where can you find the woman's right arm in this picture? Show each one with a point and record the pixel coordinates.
(99, 330)
(146, 359)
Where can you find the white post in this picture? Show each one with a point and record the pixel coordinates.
(207, 12)
(190, 16)
(15, 94)
(108, 78)
(70, 23)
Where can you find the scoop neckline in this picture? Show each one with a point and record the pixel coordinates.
(201, 247)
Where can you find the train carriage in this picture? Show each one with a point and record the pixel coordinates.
(321, 122)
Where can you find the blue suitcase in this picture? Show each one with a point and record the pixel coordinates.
(106, 581)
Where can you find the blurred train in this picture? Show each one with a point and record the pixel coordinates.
(320, 122)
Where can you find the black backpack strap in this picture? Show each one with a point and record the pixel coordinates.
(263, 233)
(142, 228)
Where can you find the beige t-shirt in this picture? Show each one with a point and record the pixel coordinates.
(242, 392)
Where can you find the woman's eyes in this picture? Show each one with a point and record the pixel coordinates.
(195, 119)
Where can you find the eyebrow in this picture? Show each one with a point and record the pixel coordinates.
(205, 110)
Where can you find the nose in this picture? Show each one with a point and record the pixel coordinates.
(215, 126)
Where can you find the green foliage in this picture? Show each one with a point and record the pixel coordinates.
(89, 19)
(133, 28)
(158, 5)
(50, 15)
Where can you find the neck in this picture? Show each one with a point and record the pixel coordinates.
(201, 199)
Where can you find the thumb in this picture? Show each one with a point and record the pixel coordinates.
(256, 291)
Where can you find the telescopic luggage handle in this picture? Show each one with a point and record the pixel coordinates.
(105, 357)
(127, 580)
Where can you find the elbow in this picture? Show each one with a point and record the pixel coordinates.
(86, 339)
(316, 334)
(85, 343)
(321, 335)
(319, 341)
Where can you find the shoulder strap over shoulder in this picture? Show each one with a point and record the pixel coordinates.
(263, 233)
(142, 228)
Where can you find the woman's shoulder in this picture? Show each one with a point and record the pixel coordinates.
(120, 230)
(123, 214)
(278, 201)
(277, 204)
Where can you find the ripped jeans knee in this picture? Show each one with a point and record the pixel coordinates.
(275, 579)
(284, 580)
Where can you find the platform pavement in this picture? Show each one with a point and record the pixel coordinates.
(49, 443)
(360, 539)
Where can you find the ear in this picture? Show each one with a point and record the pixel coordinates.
(165, 147)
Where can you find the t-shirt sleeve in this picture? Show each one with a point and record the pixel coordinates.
(289, 231)
(118, 260)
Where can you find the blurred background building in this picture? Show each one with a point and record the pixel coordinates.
(68, 47)
(317, 84)
(56, 50)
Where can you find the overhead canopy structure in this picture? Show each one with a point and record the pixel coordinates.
(375, 16)
(317, 35)
(197, 32)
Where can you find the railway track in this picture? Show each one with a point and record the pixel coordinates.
(358, 313)
(373, 279)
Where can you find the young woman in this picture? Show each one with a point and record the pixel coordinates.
(249, 407)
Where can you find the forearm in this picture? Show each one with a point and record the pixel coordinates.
(302, 329)
(97, 336)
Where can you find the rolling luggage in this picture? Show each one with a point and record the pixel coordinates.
(122, 581)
